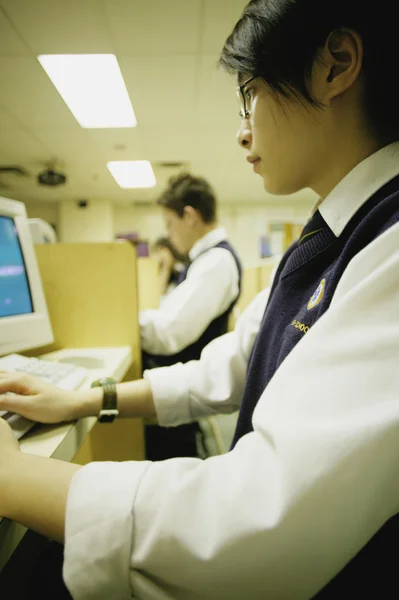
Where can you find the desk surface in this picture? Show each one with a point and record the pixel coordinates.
(63, 441)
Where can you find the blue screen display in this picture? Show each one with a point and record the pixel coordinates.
(15, 296)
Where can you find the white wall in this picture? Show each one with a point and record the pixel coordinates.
(91, 224)
(48, 211)
(145, 220)
(101, 221)
(246, 224)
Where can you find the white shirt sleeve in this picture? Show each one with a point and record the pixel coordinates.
(171, 287)
(296, 499)
(210, 288)
(215, 383)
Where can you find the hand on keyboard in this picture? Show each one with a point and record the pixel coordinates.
(36, 399)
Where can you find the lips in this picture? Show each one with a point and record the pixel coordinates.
(253, 159)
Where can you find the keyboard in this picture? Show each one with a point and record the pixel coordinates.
(64, 376)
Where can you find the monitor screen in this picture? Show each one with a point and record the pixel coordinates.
(15, 294)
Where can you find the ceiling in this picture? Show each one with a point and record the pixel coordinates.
(167, 50)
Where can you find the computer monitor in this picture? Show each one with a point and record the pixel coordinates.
(24, 320)
(42, 232)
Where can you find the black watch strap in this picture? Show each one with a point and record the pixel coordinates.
(109, 408)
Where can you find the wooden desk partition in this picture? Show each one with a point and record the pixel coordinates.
(249, 288)
(91, 293)
(148, 283)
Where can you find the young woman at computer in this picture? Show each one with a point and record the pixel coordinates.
(305, 501)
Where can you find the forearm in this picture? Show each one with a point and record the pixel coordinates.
(215, 383)
(35, 493)
(164, 278)
(134, 400)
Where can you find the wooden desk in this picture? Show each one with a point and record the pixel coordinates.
(148, 283)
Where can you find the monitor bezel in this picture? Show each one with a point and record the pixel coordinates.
(32, 330)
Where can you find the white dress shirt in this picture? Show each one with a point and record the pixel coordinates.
(211, 286)
(297, 498)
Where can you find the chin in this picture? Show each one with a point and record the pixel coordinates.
(280, 188)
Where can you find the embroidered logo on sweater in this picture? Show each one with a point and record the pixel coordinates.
(317, 296)
(301, 326)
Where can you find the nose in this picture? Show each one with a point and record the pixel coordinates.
(244, 135)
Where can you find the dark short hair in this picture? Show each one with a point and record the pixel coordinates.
(279, 40)
(188, 190)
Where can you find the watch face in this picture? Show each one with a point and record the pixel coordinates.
(108, 415)
(106, 418)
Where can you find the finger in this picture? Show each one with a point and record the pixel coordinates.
(15, 403)
(14, 382)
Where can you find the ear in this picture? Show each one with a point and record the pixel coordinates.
(338, 66)
(190, 214)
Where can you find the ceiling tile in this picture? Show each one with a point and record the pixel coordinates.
(118, 144)
(167, 143)
(59, 27)
(161, 88)
(75, 187)
(216, 101)
(220, 18)
(28, 94)
(22, 147)
(186, 108)
(3, 158)
(72, 145)
(154, 26)
(10, 42)
(8, 121)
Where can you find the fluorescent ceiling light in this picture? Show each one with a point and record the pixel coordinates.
(92, 86)
(133, 173)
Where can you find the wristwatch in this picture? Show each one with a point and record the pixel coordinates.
(109, 408)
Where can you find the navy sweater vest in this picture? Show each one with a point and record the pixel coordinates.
(302, 290)
(215, 329)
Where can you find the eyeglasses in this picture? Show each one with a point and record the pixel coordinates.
(242, 99)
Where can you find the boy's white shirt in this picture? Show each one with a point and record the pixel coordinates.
(211, 287)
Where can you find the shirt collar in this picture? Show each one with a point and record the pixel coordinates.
(357, 187)
(209, 240)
